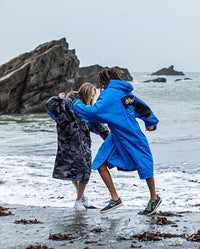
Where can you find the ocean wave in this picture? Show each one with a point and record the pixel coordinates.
(168, 140)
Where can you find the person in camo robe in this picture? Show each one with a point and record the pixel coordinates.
(73, 159)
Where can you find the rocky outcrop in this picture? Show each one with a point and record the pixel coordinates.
(155, 80)
(26, 82)
(90, 74)
(183, 79)
(168, 71)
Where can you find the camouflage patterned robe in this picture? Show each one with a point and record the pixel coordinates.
(73, 159)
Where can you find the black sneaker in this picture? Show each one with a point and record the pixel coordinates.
(152, 206)
(112, 205)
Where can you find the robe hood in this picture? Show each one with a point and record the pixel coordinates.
(120, 85)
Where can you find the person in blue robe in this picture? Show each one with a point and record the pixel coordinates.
(126, 147)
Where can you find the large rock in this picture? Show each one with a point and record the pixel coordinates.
(90, 74)
(183, 79)
(155, 80)
(27, 81)
(168, 71)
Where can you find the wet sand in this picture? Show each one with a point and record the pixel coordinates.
(120, 228)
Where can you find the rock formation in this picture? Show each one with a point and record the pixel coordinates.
(183, 79)
(89, 74)
(168, 71)
(27, 81)
(156, 80)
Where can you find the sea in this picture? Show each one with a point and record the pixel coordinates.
(28, 145)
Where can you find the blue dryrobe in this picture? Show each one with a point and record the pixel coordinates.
(126, 147)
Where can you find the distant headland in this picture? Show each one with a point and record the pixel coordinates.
(168, 71)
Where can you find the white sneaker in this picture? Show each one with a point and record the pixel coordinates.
(78, 206)
(84, 200)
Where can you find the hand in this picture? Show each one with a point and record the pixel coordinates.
(61, 95)
(150, 128)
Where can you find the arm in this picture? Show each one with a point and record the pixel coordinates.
(96, 113)
(59, 109)
(52, 105)
(100, 129)
(143, 112)
(85, 111)
(92, 113)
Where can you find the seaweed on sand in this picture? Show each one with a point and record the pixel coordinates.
(38, 247)
(61, 236)
(195, 237)
(161, 221)
(147, 236)
(24, 221)
(3, 213)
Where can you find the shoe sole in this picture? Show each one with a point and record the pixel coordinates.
(105, 211)
(154, 208)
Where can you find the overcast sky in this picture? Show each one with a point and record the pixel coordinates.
(141, 35)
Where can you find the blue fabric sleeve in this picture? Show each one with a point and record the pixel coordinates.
(87, 111)
(151, 120)
(100, 112)
(51, 115)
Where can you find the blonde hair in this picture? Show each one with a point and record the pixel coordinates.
(85, 93)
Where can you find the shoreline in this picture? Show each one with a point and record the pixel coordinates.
(36, 227)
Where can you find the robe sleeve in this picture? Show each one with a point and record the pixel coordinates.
(100, 129)
(144, 112)
(59, 109)
(91, 115)
(96, 113)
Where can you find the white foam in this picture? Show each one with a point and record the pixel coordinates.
(33, 185)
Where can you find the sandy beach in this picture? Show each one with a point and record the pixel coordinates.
(50, 227)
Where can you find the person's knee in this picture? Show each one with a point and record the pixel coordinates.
(103, 167)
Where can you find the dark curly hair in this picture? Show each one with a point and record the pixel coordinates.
(108, 74)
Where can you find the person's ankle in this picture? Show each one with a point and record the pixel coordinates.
(154, 198)
(115, 198)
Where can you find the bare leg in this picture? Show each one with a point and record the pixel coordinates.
(81, 188)
(151, 184)
(76, 184)
(105, 175)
